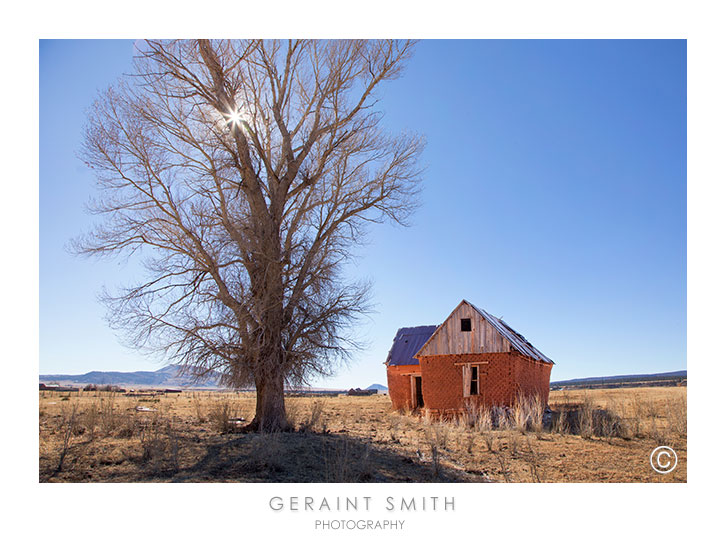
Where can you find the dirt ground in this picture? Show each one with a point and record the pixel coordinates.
(590, 436)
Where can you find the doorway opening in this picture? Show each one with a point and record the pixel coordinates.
(418, 390)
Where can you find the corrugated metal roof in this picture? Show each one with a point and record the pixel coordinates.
(407, 343)
(519, 342)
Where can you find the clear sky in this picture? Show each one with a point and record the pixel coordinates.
(554, 196)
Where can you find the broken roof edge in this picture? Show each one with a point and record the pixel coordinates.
(406, 357)
(516, 339)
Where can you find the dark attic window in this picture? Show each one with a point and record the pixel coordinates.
(465, 325)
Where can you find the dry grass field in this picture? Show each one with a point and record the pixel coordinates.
(590, 436)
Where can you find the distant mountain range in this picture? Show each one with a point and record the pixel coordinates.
(671, 377)
(170, 377)
(167, 377)
(376, 386)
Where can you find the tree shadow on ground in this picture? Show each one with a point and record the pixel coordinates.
(305, 457)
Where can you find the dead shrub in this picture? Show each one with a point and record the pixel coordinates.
(585, 418)
(638, 415)
(623, 426)
(532, 460)
(152, 445)
(90, 419)
(676, 415)
(435, 461)
(436, 436)
(395, 420)
(649, 420)
(588, 421)
(536, 416)
(292, 409)
(484, 420)
(475, 415)
(314, 420)
(126, 425)
(520, 418)
(661, 435)
(173, 448)
(502, 418)
(504, 467)
(68, 428)
(528, 414)
(106, 409)
(437, 433)
(198, 408)
(221, 413)
(560, 423)
(159, 446)
(607, 424)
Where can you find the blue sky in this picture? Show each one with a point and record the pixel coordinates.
(554, 196)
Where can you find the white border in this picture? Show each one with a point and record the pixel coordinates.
(211, 512)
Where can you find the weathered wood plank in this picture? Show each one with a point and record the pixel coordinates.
(449, 339)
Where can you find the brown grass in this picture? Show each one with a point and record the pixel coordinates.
(589, 436)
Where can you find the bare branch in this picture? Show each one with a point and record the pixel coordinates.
(243, 173)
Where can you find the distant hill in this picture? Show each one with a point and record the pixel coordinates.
(643, 379)
(376, 386)
(167, 377)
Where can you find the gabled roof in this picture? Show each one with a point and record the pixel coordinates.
(519, 342)
(407, 343)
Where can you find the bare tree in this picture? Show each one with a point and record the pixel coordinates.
(243, 173)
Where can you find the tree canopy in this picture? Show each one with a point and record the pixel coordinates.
(244, 172)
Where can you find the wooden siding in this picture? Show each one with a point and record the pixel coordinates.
(448, 338)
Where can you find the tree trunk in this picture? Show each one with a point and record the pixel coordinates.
(270, 415)
(267, 290)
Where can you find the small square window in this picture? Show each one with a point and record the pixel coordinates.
(465, 325)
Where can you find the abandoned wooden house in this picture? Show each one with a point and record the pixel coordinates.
(471, 357)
